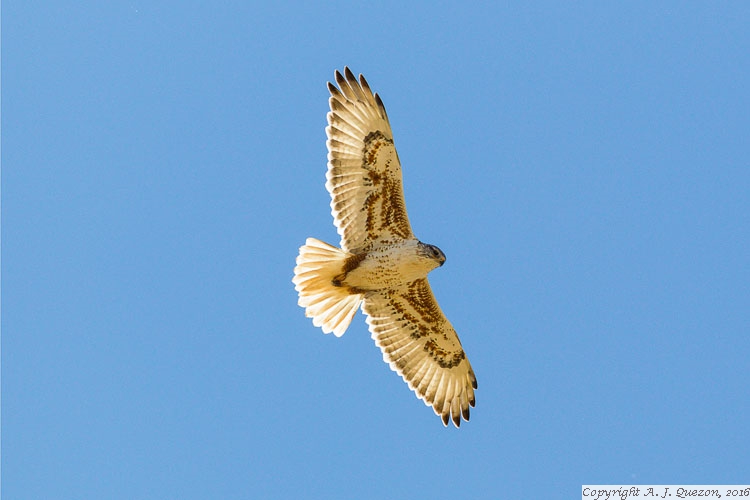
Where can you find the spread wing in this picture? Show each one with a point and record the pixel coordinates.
(419, 343)
(364, 173)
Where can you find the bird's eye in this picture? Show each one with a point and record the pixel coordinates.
(435, 251)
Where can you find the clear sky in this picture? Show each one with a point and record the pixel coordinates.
(585, 168)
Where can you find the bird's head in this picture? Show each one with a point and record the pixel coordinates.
(432, 252)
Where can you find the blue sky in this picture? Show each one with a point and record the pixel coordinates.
(584, 167)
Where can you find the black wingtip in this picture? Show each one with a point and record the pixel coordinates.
(340, 80)
(457, 420)
(381, 106)
(349, 75)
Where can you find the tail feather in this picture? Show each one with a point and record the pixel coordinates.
(331, 308)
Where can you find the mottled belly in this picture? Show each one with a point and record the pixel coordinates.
(387, 269)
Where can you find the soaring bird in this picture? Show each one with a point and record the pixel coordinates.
(380, 265)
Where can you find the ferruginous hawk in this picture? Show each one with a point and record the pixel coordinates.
(381, 265)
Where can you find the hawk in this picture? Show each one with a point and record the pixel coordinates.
(381, 266)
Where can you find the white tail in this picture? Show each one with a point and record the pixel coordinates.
(331, 307)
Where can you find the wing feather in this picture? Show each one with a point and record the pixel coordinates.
(364, 172)
(419, 343)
